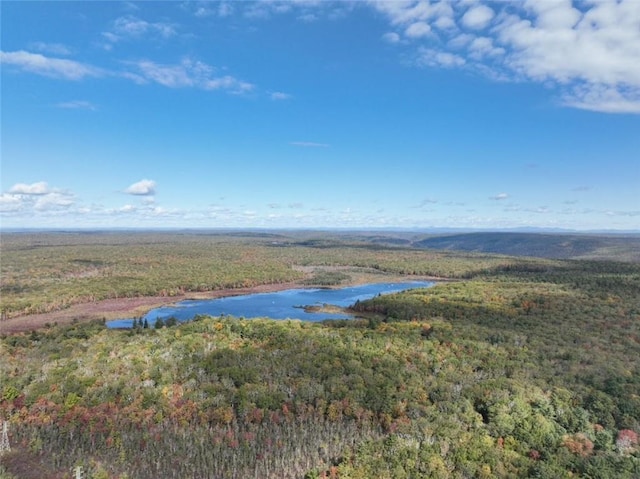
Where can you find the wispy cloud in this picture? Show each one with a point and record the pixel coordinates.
(51, 67)
(52, 48)
(130, 27)
(189, 73)
(142, 188)
(302, 10)
(435, 58)
(391, 37)
(539, 210)
(225, 9)
(308, 17)
(278, 95)
(309, 144)
(499, 196)
(426, 202)
(624, 213)
(77, 105)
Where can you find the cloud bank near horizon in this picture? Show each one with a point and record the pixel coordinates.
(57, 207)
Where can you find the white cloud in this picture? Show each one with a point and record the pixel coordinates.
(10, 203)
(52, 48)
(592, 54)
(436, 58)
(278, 95)
(418, 30)
(589, 52)
(603, 98)
(539, 210)
(51, 67)
(624, 213)
(257, 10)
(39, 188)
(391, 37)
(483, 46)
(304, 10)
(477, 17)
(35, 197)
(228, 83)
(77, 105)
(225, 9)
(499, 196)
(130, 27)
(308, 17)
(407, 12)
(461, 41)
(189, 73)
(142, 188)
(554, 15)
(53, 201)
(445, 23)
(426, 202)
(202, 11)
(172, 76)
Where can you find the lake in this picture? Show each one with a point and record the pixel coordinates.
(287, 304)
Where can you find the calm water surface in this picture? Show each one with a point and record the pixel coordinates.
(280, 305)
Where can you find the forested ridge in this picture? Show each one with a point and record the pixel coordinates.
(547, 245)
(521, 368)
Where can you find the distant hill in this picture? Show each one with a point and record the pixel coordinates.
(556, 246)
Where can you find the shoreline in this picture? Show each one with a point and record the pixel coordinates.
(123, 308)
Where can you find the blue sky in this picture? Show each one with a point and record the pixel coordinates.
(322, 114)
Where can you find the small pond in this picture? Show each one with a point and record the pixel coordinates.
(287, 304)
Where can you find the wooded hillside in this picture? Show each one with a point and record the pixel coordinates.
(523, 368)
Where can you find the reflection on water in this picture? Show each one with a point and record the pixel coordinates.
(287, 304)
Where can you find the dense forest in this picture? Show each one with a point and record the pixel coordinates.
(519, 367)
